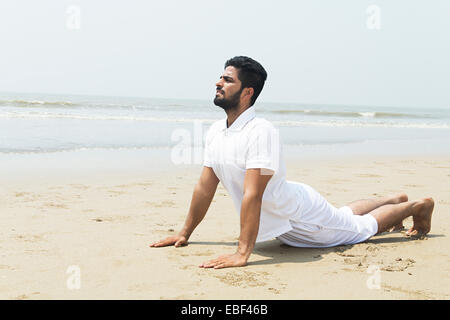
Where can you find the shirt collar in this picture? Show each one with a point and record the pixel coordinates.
(241, 120)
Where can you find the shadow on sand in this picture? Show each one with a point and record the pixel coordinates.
(278, 253)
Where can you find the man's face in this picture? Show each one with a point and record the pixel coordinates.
(228, 89)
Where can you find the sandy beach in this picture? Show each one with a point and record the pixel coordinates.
(100, 224)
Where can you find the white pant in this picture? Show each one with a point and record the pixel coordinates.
(322, 225)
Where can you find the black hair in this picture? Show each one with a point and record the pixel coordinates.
(251, 74)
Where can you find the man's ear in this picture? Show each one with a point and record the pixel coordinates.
(249, 92)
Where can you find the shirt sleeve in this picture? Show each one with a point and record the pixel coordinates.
(263, 149)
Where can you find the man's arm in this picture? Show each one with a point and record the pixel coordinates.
(254, 185)
(201, 199)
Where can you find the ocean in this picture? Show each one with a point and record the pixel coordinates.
(37, 124)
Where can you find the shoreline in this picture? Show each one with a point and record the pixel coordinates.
(113, 166)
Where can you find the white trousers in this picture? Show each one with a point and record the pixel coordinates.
(320, 224)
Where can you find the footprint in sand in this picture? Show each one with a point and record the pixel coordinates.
(244, 279)
(360, 256)
(399, 264)
(365, 257)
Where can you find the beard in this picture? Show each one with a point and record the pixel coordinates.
(231, 103)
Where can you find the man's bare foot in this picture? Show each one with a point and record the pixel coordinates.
(395, 199)
(398, 198)
(422, 219)
(397, 227)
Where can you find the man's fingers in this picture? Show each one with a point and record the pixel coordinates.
(161, 243)
(208, 264)
(223, 259)
(213, 263)
(177, 241)
(180, 243)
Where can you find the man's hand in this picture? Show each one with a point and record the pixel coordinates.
(226, 261)
(177, 241)
(201, 199)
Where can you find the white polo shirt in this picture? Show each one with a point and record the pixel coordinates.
(252, 142)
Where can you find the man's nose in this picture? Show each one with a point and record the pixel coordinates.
(219, 84)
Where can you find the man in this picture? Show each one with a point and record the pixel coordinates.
(243, 152)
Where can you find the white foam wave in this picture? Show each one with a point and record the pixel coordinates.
(368, 114)
(290, 123)
(361, 124)
(35, 102)
(85, 148)
(91, 117)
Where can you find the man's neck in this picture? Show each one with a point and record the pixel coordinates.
(233, 114)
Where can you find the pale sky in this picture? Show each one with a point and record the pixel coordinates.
(318, 51)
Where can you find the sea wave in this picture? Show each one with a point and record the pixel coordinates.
(25, 103)
(83, 105)
(98, 117)
(81, 148)
(351, 114)
(295, 123)
(342, 123)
